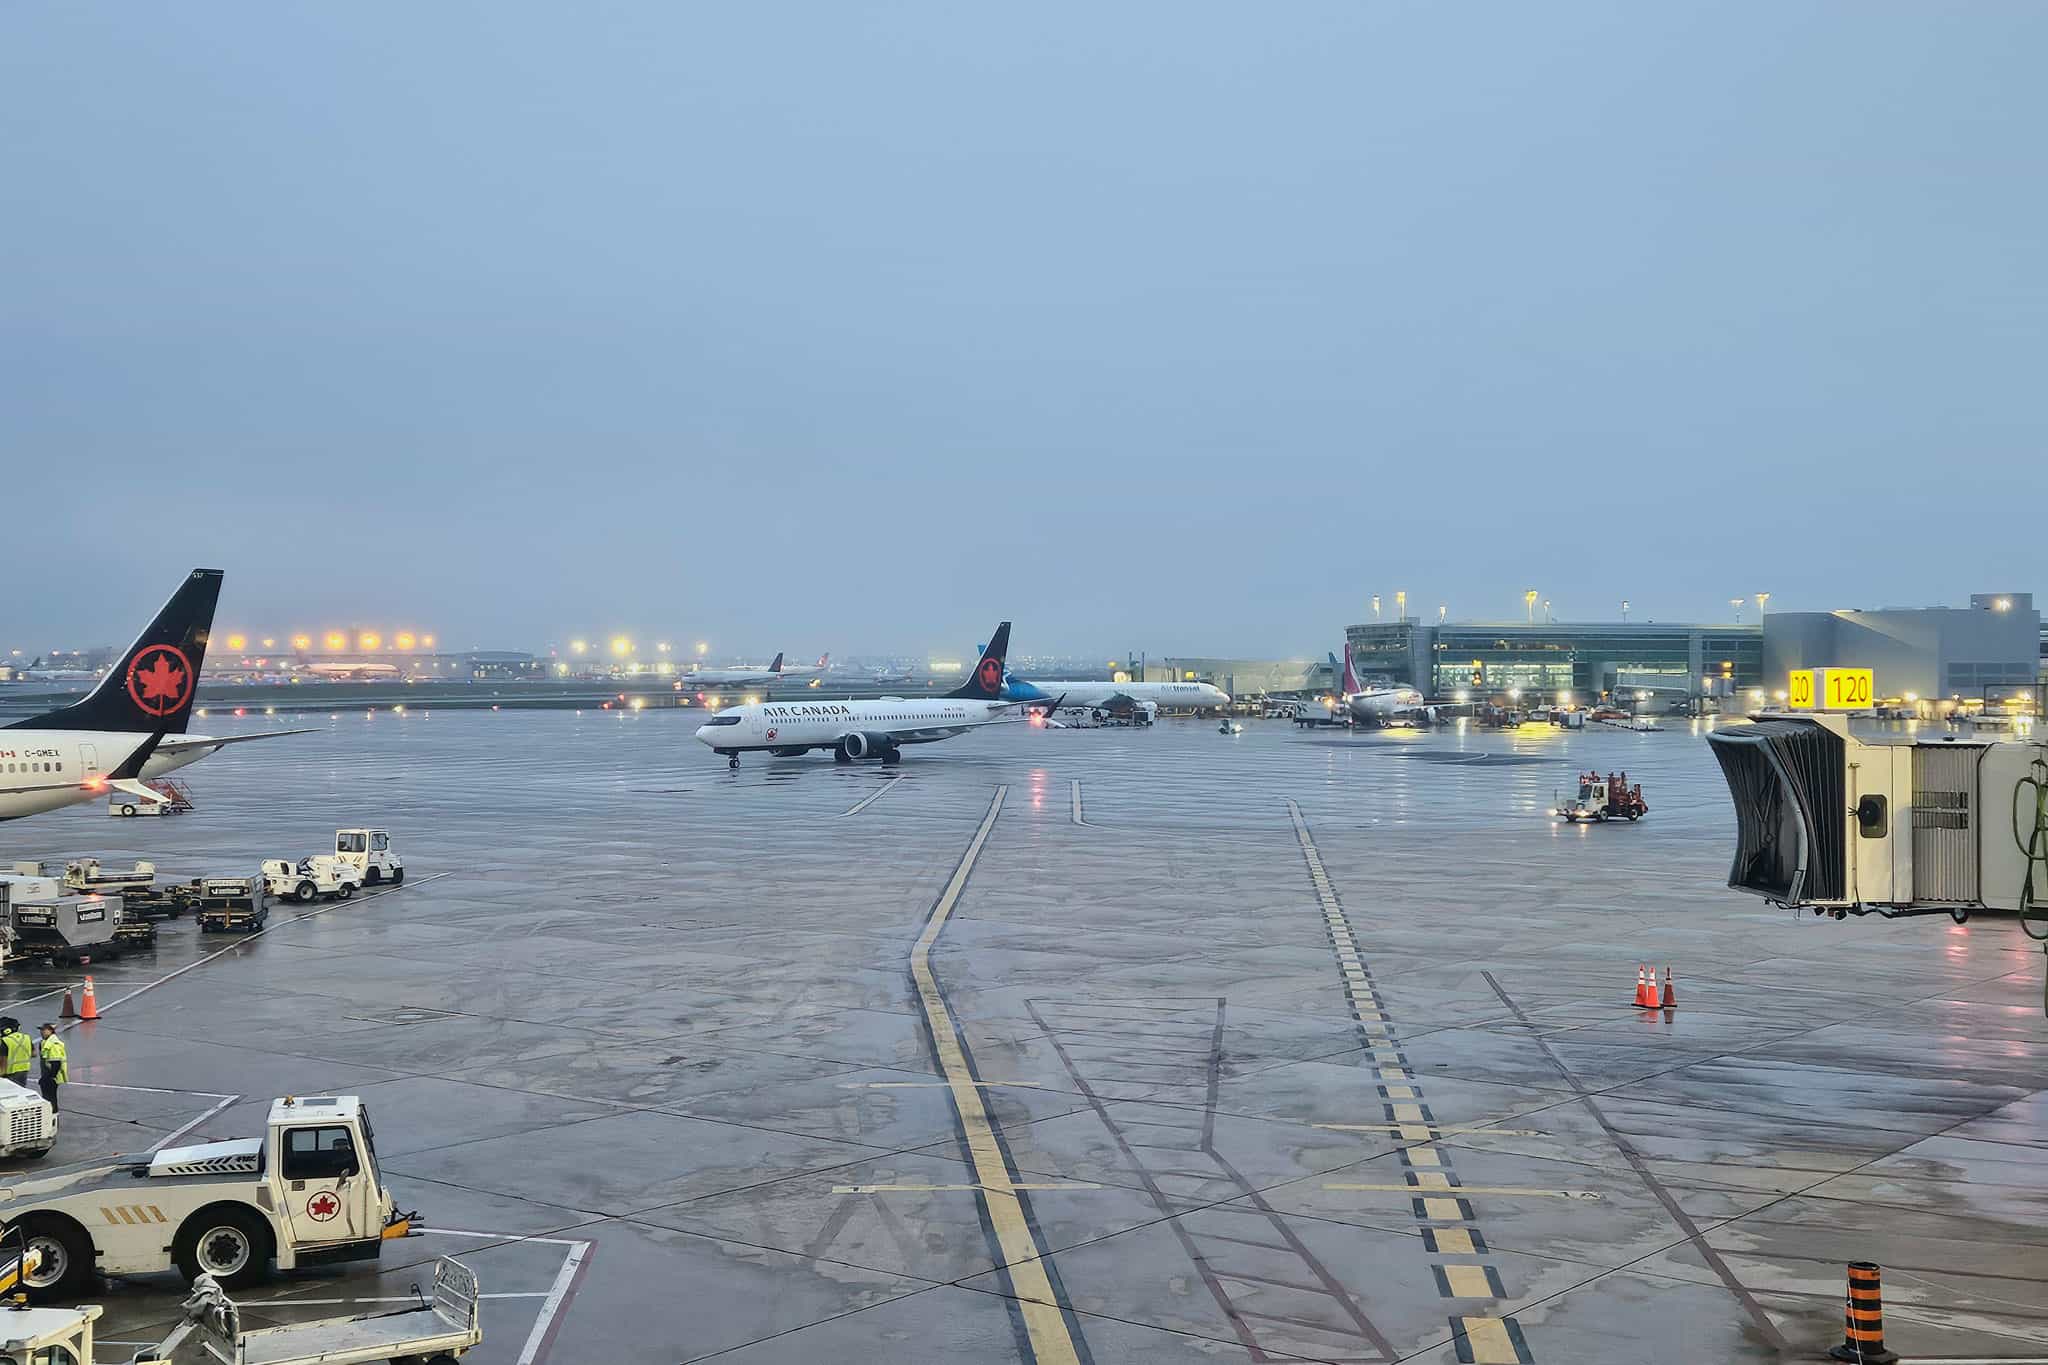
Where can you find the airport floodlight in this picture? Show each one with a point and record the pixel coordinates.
(1761, 599)
(336, 640)
(369, 639)
(426, 642)
(238, 642)
(405, 639)
(701, 648)
(621, 646)
(579, 647)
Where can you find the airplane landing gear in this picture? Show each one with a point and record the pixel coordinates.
(839, 755)
(733, 763)
(891, 756)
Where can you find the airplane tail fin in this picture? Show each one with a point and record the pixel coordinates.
(985, 683)
(152, 685)
(824, 661)
(776, 665)
(1350, 677)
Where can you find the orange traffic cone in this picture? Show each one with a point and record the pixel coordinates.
(1645, 999)
(89, 1008)
(1670, 995)
(70, 1011)
(1863, 1334)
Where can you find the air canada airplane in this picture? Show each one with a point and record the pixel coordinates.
(1192, 695)
(130, 727)
(862, 729)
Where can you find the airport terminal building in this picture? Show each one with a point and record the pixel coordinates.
(1550, 659)
(1986, 651)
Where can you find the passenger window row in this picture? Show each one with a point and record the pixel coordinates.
(35, 767)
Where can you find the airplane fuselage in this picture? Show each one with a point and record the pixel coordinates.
(1182, 695)
(44, 770)
(794, 727)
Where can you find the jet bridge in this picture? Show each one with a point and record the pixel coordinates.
(1886, 823)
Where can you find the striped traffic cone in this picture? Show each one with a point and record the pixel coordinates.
(1863, 1339)
(88, 1007)
(1644, 999)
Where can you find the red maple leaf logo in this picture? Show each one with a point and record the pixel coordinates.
(159, 679)
(323, 1206)
(991, 675)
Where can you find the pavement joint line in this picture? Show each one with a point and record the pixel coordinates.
(1046, 1331)
(1483, 1339)
(1460, 1191)
(934, 1189)
(870, 799)
(1079, 819)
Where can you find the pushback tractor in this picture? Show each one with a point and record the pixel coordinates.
(308, 1192)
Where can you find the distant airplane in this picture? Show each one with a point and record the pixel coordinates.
(824, 665)
(342, 670)
(1378, 705)
(861, 729)
(1186, 695)
(737, 675)
(129, 728)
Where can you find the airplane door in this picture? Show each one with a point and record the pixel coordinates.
(327, 1195)
(89, 761)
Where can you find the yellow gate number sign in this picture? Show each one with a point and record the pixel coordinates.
(1848, 689)
(1801, 693)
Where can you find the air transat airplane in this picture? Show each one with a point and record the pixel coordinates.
(129, 728)
(1193, 695)
(860, 729)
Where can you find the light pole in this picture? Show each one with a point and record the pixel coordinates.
(1529, 601)
(1401, 606)
(1442, 609)
(1546, 611)
(1375, 606)
(1736, 602)
(1761, 598)
(1624, 611)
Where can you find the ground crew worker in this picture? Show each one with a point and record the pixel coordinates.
(56, 1071)
(19, 1051)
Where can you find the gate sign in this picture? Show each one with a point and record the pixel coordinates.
(1801, 694)
(1848, 689)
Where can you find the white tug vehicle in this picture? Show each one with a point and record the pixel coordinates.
(308, 1192)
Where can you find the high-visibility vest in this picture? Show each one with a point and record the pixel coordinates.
(53, 1051)
(20, 1052)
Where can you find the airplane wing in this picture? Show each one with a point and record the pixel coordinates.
(180, 743)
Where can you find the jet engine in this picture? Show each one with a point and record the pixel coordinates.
(862, 743)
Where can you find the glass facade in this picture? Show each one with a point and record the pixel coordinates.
(1550, 658)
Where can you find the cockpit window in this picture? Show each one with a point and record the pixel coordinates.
(723, 720)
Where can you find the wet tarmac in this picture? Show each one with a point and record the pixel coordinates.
(1081, 1046)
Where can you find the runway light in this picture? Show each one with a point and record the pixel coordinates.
(638, 702)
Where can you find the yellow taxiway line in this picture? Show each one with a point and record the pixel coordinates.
(1045, 1324)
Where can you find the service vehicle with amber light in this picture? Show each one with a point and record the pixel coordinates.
(306, 1193)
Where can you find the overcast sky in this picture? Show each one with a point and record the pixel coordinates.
(1166, 326)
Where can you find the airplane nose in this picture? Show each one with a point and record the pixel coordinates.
(704, 734)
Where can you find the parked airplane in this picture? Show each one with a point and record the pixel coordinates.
(342, 670)
(860, 729)
(737, 675)
(824, 665)
(1185, 695)
(129, 728)
(1378, 705)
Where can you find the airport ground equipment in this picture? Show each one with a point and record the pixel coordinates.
(321, 877)
(370, 853)
(161, 902)
(132, 932)
(435, 1331)
(87, 875)
(233, 903)
(308, 1192)
(28, 1126)
(172, 797)
(1602, 798)
(56, 925)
